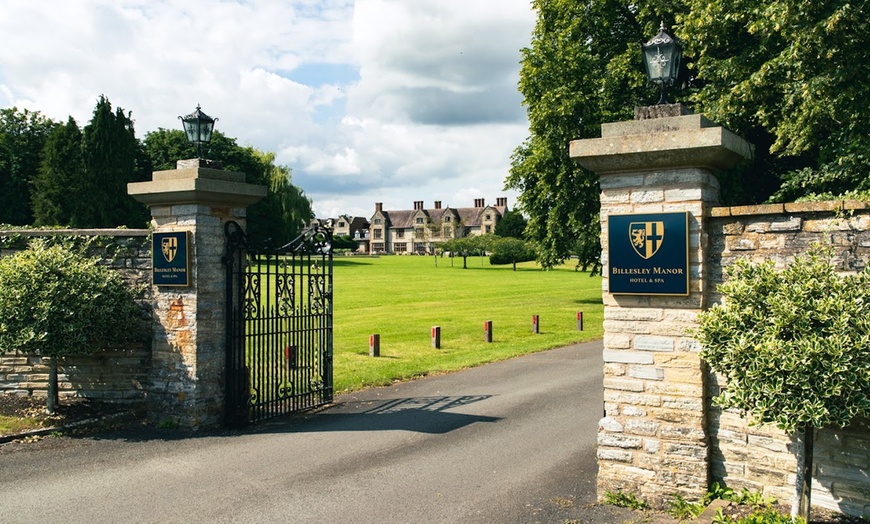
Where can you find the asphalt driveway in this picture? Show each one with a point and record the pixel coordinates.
(508, 442)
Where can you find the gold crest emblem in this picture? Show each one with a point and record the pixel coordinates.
(646, 237)
(169, 247)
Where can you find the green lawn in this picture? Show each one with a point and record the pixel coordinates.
(402, 297)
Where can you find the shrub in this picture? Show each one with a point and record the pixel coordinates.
(794, 346)
(56, 302)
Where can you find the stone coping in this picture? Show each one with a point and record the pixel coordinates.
(108, 232)
(830, 206)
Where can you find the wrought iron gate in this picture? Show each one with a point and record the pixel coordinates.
(279, 326)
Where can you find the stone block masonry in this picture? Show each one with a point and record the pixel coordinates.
(661, 434)
(653, 439)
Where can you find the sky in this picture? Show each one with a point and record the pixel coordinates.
(366, 101)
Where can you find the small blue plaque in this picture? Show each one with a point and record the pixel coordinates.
(648, 254)
(170, 258)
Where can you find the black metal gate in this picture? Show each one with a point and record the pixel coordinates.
(279, 326)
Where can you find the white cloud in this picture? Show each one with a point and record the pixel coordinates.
(368, 101)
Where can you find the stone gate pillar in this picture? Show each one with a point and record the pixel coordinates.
(188, 346)
(653, 438)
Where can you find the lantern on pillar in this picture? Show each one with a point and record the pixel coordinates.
(661, 59)
(198, 127)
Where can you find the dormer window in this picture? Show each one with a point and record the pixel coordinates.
(419, 220)
(447, 219)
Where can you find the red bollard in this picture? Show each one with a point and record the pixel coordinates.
(536, 325)
(436, 337)
(487, 331)
(579, 321)
(374, 345)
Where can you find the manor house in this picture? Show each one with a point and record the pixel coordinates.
(417, 230)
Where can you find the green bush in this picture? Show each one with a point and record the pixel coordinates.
(56, 302)
(794, 344)
(510, 250)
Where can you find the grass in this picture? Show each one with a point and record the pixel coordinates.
(15, 424)
(402, 297)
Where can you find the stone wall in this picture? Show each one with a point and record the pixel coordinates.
(116, 374)
(660, 435)
(763, 458)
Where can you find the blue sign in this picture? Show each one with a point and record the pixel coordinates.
(648, 254)
(170, 258)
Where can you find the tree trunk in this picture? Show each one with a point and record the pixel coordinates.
(51, 398)
(802, 501)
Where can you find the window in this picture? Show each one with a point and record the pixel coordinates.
(419, 220)
(378, 221)
(447, 219)
(488, 217)
(378, 233)
(445, 232)
(418, 231)
(400, 233)
(342, 224)
(489, 229)
(378, 248)
(400, 247)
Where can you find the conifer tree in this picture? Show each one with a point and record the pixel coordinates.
(62, 166)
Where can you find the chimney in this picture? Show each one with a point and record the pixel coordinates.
(379, 206)
(437, 204)
(479, 202)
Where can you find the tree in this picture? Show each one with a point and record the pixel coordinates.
(582, 69)
(91, 190)
(462, 247)
(794, 346)
(791, 76)
(22, 136)
(55, 302)
(512, 224)
(62, 166)
(279, 217)
(509, 250)
(112, 159)
(788, 76)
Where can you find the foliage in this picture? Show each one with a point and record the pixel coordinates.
(680, 508)
(794, 345)
(463, 247)
(84, 175)
(22, 137)
(62, 166)
(510, 250)
(55, 302)
(512, 224)
(582, 69)
(764, 516)
(744, 497)
(279, 217)
(343, 242)
(624, 500)
(790, 75)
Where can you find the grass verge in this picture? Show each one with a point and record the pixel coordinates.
(402, 297)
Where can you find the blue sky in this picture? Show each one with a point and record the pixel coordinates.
(366, 101)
